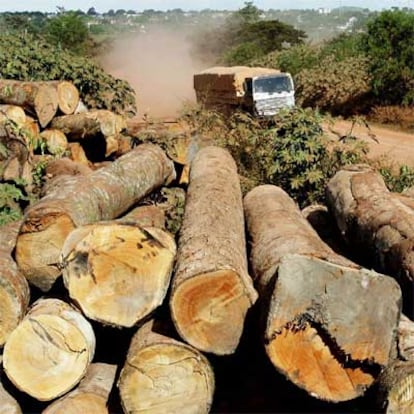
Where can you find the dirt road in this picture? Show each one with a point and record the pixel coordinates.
(396, 145)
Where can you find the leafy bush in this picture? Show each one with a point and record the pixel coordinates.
(403, 116)
(340, 87)
(290, 150)
(28, 57)
(12, 198)
(389, 45)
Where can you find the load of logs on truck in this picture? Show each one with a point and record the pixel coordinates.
(252, 306)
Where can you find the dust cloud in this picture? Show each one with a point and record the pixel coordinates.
(159, 66)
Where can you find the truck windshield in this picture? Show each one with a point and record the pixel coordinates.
(273, 84)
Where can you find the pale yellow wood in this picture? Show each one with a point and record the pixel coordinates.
(50, 350)
(91, 396)
(162, 375)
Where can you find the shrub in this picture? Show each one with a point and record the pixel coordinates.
(28, 57)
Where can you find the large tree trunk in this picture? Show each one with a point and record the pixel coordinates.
(91, 395)
(330, 326)
(212, 290)
(50, 351)
(39, 98)
(14, 290)
(118, 272)
(396, 383)
(91, 123)
(162, 375)
(376, 222)
(102, 195)
(12, 113)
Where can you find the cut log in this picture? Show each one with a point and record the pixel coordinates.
(396, 383)
(68, 96)
(12, 113)
(14, 290)
(77, 153)
(376, 222)
(39, 98)
(87, 124)
(330, 325)
(55, 140)
(91, 396)
(212, 290)
(118, 272)
(162, 375)
(50, 351)
(8, 404)
(102, 195)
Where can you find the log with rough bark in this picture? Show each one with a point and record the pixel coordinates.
(162, 375)
(330, 325)
(212, 290)
(102, 195)
(8, 405)
(119, 271)
(55, 141)
(39, 98)
(15, 156)
(50, 350)
(396, 383)
(376, 222)
(90, 396)
(87, 124)
(14, 290)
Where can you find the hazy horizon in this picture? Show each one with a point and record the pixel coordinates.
(103, 6)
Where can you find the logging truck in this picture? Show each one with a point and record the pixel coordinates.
(260, 91)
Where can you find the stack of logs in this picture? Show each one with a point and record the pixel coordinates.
(50, 115)
(103, 310)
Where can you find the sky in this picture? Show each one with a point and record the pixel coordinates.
(102, 6)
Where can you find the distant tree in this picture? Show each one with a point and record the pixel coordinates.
(68, 31)
(92, 12)
(390, 47)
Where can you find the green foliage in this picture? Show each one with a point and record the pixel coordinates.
(245, 37)
(390, 47)
(28, 57)
(400, 180)
(289, 150)
(69, 31)
(11, 197)
(340, 87)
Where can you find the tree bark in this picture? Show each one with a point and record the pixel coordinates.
(162, 375)
(15, 157)
(102, 195)
(50, 351)
(396, 383)
(87, 124)
(92, 394)
(8, 404)
(376, 222)
(330, 325)
(118, 272)
(212, 290)
(14, 290)
(39, 98)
